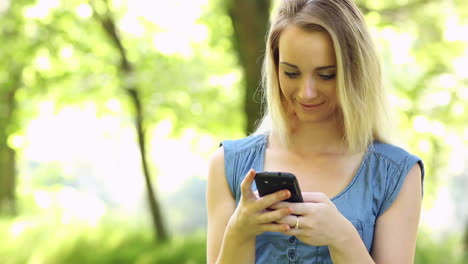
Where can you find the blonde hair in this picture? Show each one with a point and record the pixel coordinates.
(361, 96)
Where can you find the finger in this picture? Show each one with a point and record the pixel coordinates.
(301, 208)
(256, 194)
(296, 208)
(281, 205)
(316, 197)
(246, 185)
(273, 227)
(295, 223)
(274, 216)
(290, 220)
(267, 201)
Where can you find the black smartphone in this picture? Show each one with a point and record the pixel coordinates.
(269, 182)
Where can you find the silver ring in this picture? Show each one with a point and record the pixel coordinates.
(297, 223)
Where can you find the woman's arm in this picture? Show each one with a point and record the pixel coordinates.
(232, 230)
(220, 206)
(396, 229)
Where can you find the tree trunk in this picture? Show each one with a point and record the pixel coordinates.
(127, 69)
(7, 154)
(7, 179)
(465, 242)
(250, 20)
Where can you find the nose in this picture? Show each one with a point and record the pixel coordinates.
(309, 89)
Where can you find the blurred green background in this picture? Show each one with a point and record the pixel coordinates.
(110, 109)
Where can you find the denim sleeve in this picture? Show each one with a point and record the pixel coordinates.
(239, 157)
(229, 156)
(396, 178)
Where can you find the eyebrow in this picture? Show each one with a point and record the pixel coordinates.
(317, 69)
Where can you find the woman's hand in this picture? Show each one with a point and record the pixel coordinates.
(319, 221)
(252, 216)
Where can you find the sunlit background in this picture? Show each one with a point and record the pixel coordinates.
(78, 164)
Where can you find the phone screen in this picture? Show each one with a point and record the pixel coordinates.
(270, 182)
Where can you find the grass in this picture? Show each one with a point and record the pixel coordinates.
(37, 241)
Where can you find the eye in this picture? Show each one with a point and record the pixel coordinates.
(327, 76)
(291, 75)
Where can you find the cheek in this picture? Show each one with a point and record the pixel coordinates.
(286, 91)
(331, 91)
(333, 95)
(285, 87)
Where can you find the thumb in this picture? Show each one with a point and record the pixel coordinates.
(246, 185)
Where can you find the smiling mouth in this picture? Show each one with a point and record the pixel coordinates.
(311, 105)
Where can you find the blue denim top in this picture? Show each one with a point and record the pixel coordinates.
(369, 194)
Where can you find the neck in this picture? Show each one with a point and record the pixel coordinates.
(316, 139)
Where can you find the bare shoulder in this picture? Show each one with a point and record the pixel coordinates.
(415, 172)
(216, 162)
(220, 204)
(396, 229)
(216, 176)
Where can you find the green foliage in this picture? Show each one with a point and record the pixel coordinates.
(46, 240)
(222, 32)
(67, 58)
(446, 250)
(420, 74)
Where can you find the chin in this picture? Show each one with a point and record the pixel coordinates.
(315, 118)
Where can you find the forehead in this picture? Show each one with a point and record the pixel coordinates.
(299, 46)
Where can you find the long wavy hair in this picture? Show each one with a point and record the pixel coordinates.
(362, 100)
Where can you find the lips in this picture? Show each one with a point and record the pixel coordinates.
(311, 106)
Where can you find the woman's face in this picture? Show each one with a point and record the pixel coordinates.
(307, 71)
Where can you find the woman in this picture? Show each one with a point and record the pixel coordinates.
(325, 123)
